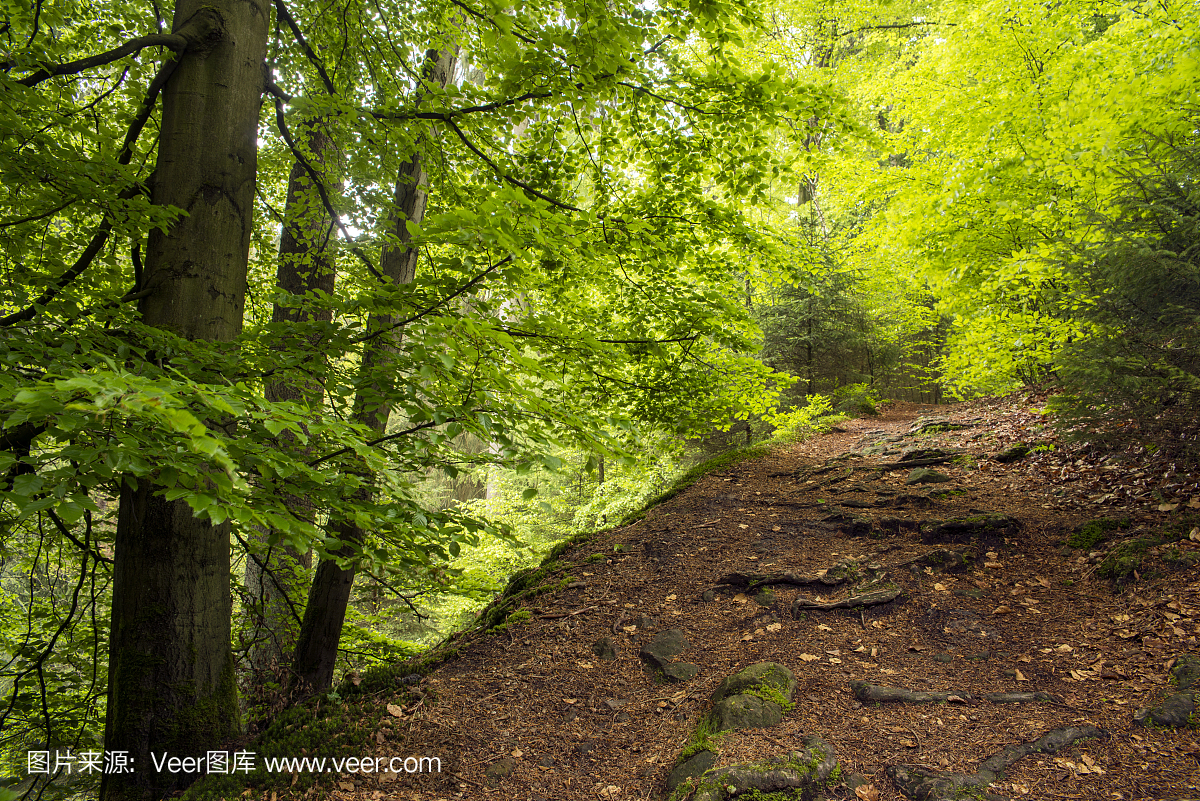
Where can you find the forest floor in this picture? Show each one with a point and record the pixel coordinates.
(531, 712)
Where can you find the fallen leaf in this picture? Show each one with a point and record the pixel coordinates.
(774, 626)
(740, 598)
(517, 752)
(907, 743)
(940, 587)
(1167, 507)
(1019, 675)
(571, 700)
(823, 627)
(672, 597)
(809, 657)
(629, 629)
(834, 661)
(993, 565)
(1002, 610)
(587, 665)
(866, 792)
(395, 711)
(747, 637)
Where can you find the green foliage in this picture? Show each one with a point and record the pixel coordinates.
(798, 423)
(1132, 374)
(704, 737)
(1093, 532)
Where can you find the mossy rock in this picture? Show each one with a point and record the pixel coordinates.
(757, 676)
(968, 529)
(803, 775)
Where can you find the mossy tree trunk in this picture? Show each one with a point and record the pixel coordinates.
(171, 668)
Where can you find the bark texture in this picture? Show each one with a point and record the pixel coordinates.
(275, 574)
(321, 631)
(171, 680)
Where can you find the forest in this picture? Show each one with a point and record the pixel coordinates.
(319, 318)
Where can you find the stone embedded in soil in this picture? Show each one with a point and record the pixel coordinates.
(708, 596)
(1178, 710)
(941, 559)
(500, 768)
(923, 475)
(800, 776)
(922, 784)
(764, 597)
(680, 671)
(694, 766)
(877, 693)
(966, 529)
(770, 674)
(1018, 451)
(663, 647)
(917, 454)
(746, 712)
(605, 649)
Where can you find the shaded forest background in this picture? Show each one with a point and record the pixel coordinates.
(321, 319)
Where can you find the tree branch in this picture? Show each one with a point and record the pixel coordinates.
(197, 29)
(442, 302)
(286, 16)
(318, 182)
(503, 175)
(381, 440)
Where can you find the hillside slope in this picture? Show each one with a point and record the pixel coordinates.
(996, 601)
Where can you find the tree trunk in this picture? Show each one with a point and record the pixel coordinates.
(171, 670)
(275, 575)
(321, 631)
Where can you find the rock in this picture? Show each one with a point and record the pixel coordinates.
(1018, 451)
(680, 671)
(876, 693)
(768, 674)
(850, 503)
(500, 768)
(966, 529)
(923, 784)
(645, 623)
(693, 767)
(923, 475)
(663, 647)
(941, 559)
(708, 596)
(765, 597)
(799, 776)
(746, 712)
(943, 656)
(914, 454)
(604, 649)
(1176, 711)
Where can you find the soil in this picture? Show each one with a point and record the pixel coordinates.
(532, 713)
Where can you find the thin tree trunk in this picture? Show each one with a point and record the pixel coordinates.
(274, 580)
(321, 631)
(171, 667)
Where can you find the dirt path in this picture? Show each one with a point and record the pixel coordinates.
(533, 713)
